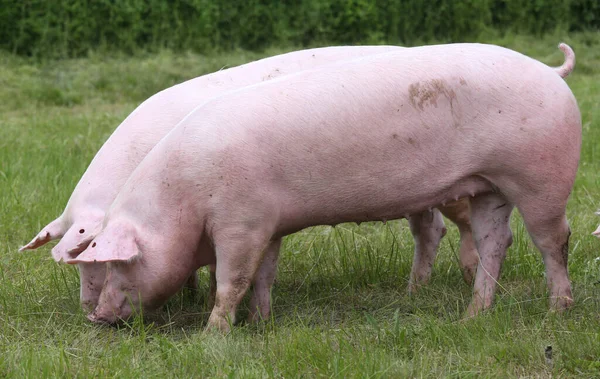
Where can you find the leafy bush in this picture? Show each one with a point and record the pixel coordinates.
(67, 28)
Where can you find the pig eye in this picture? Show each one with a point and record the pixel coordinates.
(81, 231)
(94, 244)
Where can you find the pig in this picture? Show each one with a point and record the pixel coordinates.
(82, 218)
(377, 138)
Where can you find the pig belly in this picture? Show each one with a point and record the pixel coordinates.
(296, 216)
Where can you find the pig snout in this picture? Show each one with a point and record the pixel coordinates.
(108, 316)
(96, 319)
(113, 307)
(109, 320)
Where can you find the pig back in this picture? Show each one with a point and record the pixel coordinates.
(369, 139)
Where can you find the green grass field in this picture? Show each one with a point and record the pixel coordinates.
(340, 307)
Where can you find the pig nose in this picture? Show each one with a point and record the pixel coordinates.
(93, 317)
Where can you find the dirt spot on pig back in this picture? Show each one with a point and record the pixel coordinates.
(422, 94)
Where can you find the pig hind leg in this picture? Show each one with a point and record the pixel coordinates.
(260, 302)
(239, 254)
(490, 217)
(547, 225)
(459, 212)
(427, 229)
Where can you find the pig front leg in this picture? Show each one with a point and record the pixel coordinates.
(427, 229)
(490, 215)
(459, 212)
(239, 253)
(260, 302)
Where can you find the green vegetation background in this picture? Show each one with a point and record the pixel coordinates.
(70, 28)
(340, 306)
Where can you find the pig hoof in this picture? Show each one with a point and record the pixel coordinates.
(469, 314)
(474, 309)
(413, 288)
(256, 317)
(253, 318)
(218, 324)
(560, 303)
(223, 328)
(416, 282)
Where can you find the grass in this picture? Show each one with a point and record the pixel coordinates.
(340, 304)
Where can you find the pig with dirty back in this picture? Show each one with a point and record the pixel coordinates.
(82, 218)
(381, 137)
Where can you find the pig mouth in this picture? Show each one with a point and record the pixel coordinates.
(112, 320)
(93, 317)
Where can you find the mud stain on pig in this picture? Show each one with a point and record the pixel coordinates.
(428, 93)
(275, 73)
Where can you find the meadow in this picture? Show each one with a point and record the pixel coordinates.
(340, 305)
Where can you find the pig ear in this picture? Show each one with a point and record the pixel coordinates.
(71, 244)
(51, 232)
(110, 246)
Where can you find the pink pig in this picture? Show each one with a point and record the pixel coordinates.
(381, 137)
(152, 120)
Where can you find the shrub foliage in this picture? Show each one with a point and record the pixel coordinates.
(67, 28)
